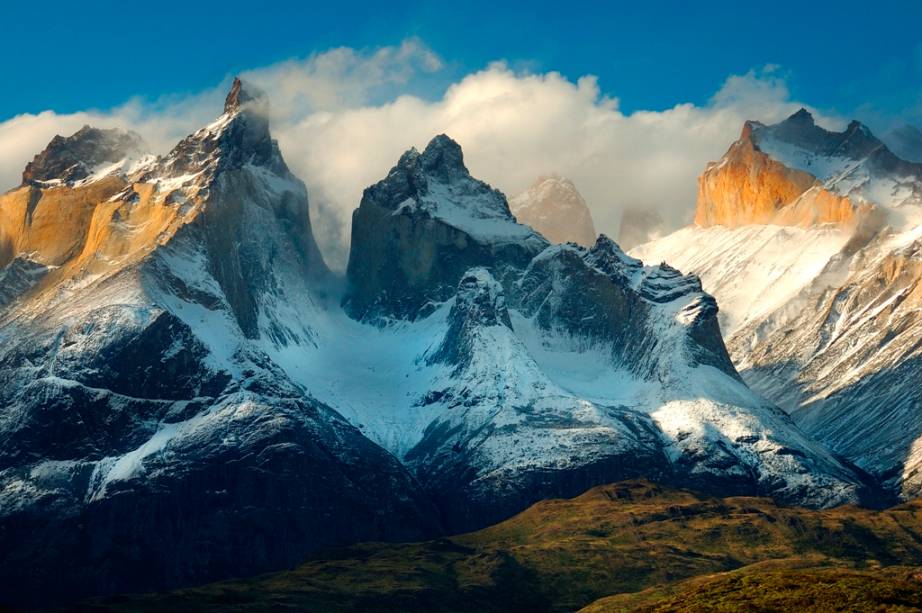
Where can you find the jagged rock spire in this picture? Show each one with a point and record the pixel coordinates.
(240, 136)
(242, 95)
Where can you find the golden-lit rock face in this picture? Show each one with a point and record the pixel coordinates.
(90, 229)
(749, 187)
(50, 223)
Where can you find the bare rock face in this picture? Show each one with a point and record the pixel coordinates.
(554, 207)
(809, 240)
(796, 173)
(183, 402)
(68, 159)
(749, 187)
(491, 413)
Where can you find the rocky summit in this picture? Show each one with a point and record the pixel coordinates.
(76, 157)
(190, 394)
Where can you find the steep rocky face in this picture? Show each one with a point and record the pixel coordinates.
(555, 208)
(847, 364)
(852, 163)
(749, 187)
(72, 158)
(52, 223)
(821, 318)
(479, 303)
(145, 430)
(181, 401)
(796, 173)
(418, 230)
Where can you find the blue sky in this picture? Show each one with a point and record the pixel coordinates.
(846, 57)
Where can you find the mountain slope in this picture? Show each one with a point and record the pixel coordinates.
(188, 394)
(820, 303)
(778, 587)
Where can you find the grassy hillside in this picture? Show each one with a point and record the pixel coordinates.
(757, 590)
(561, 555)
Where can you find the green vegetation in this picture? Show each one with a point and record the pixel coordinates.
(617, 547)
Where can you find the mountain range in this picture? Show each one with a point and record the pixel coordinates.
(190, 394)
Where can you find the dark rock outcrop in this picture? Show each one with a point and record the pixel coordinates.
(72, 158)
(408, 251)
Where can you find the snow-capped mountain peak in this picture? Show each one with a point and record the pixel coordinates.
(443, 159)
(418, 230)
(174, 376)
(437, 182)
(239, 137)
(800, 130)
(853, 164)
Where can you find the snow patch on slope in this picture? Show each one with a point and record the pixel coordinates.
(753, 270)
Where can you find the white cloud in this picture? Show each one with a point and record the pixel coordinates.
(342, 122)
(514, 127)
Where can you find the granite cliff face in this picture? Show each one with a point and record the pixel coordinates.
(554, 207)
(76, 157)
(818, 289)
(418, 230)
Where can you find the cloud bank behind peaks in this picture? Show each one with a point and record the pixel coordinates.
(343, 117)
(516, 126)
